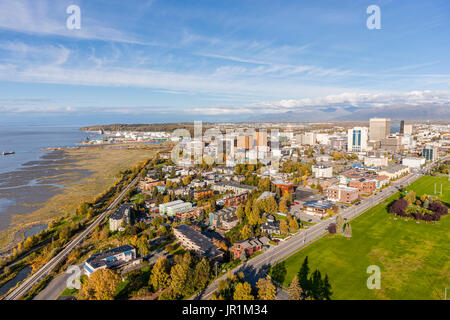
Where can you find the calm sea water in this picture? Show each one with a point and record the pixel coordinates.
(27, 141)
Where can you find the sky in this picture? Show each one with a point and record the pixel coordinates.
(143, 61)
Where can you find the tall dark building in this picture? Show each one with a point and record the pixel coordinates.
(402, 126)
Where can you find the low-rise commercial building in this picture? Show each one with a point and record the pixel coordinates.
(322, 171)
(364, 185)
(112, 259)
(319, 207)
(173, 207)
(413, 162)
(285, 186)
(341, 193)
(394, 171)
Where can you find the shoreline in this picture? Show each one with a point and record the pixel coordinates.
(81, 173)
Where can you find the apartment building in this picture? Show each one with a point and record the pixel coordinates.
(341, 193)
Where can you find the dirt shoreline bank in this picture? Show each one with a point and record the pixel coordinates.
(54, 185)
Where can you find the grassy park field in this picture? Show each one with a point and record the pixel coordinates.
(414, 258)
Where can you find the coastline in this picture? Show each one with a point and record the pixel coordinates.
(74, 175)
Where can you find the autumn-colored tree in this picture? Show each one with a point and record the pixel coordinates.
(202, 273)
(101, 285)
(254, 218)
(339, 223)
(293, 224)
(410, 197)
(284, 227)
(282, 207)
(243, 291)
(246, 232)
(160, 278)
(266, 289)
(240, 213)
(295, 291)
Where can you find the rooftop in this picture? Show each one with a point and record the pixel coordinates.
(206, 245)
(120, 211)
(99, 259)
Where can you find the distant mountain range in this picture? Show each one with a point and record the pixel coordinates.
(339, 113)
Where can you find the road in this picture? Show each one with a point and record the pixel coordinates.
(34, 279)
(256, 267)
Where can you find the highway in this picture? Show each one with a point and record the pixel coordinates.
(34, 279)
(256, 267)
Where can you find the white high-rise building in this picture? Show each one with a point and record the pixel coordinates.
(357, 139)
(309, 138)
(407, 130)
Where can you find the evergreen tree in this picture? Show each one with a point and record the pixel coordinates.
(303, 280)
(326, 289)
(316, 285)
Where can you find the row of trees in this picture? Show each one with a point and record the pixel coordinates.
(235, 288)
(181, 279)
(309, 286)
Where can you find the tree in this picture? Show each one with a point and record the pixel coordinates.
(326, 289)
(283, 206)
(303, 280)
(399, 207)
(101, 285)
(295, 291)
(320, 188)
(339, 223)
(201, 274)
(348, 229)
(178, 279)
(316, 285)
(254, 218)
(240, 213)
(293, 224)
(426, 203)
(243, 291)
(332, 228)
(410, 197)
(278, 272)
(246, 232)
(284, 227)
(266, 289)
(159, 278)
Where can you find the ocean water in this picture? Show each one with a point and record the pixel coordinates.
(27, 140)
(24, 176)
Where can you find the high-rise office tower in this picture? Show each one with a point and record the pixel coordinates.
(379, 128)
(243, 142)
(357, 139)
(402, 126)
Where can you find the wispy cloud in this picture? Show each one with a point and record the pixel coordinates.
(49, 18)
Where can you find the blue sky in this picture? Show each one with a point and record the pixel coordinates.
(161, 60)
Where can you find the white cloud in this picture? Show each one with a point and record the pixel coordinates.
(49, 18)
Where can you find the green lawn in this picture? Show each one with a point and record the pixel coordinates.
(426, 185)
(414, 258)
